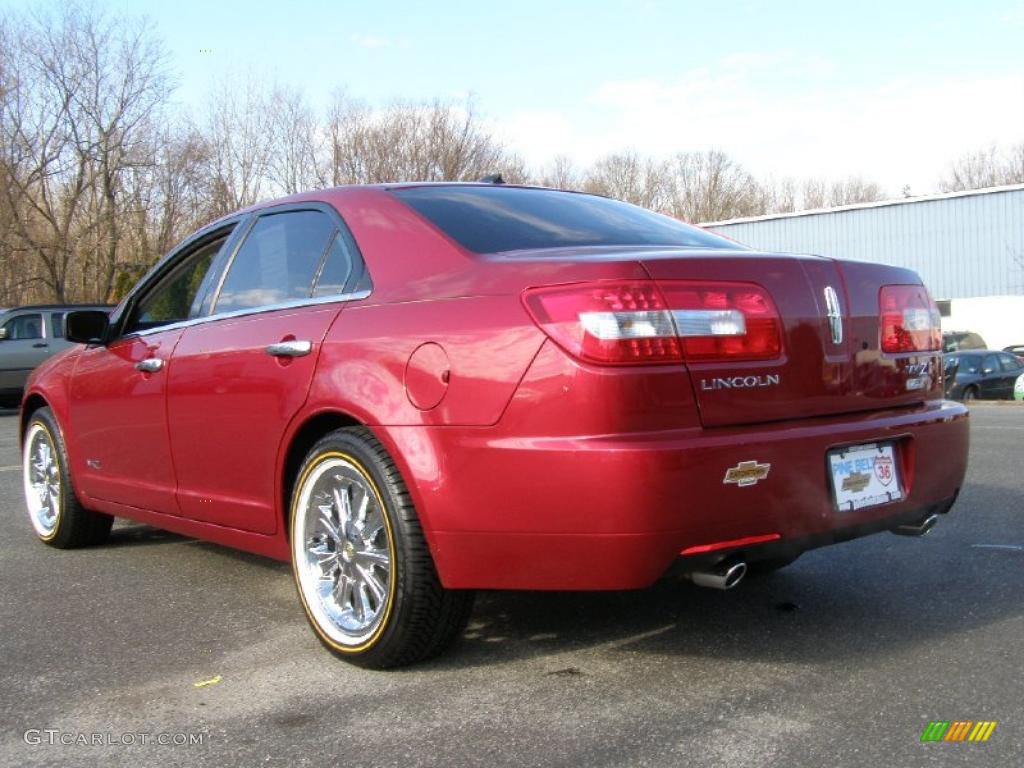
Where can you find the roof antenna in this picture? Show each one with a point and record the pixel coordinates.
(492, 178)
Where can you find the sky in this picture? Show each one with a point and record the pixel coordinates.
(892, 91)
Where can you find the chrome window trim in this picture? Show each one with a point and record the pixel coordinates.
(293, 304)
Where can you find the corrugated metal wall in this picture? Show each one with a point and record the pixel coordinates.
(962, 246)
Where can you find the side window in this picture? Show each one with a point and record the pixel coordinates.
(25, 327)
(1010, 363)
(277, 262)
(336, 270)
(57, 325)
(990, 364)
(178, 296)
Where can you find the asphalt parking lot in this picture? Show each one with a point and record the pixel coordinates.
(840, 660)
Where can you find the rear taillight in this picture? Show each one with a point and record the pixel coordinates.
(644, 322)
(724, 321)
(908, 319)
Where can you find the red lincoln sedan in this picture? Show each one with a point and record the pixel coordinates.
(412, 391)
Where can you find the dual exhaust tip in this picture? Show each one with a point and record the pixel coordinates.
(730, 572)
(725, 575)
(920, 528)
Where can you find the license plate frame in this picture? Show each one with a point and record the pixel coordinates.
(865, 475)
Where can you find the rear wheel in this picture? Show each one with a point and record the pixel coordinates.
(362, 568)
(58, 517)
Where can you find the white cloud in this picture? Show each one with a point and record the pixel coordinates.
(785, 115)
(376, 42)
(539, 135)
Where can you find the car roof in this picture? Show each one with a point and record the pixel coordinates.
(318, 193)
(56, 306)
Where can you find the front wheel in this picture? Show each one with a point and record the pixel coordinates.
(58, 517)
(970, 394)
(363, 571)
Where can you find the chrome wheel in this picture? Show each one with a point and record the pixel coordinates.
(343, 550)
(42, 480)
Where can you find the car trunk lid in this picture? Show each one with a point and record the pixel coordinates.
(831, 360)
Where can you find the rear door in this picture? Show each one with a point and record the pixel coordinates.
(55, 332)
(1012, 368)
(238, 378)
(23, 348)
(990, 387)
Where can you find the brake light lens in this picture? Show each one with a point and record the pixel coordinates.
(645, 322)
(724, 321)
(909, 320)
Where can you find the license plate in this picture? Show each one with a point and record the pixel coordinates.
(864, 476)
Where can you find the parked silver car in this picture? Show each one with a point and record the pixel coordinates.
(29, 335)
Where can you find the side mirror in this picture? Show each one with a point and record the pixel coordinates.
(3, 334)
(87, 326)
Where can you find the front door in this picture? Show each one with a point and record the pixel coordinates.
(118, 392)
(118, 416)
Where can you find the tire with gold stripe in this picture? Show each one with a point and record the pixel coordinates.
(58, 517)
(363, 571)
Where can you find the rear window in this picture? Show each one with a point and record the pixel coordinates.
(496, 219)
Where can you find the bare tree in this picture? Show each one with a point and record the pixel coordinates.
(820, 193)
(169, 196)
(438, 141)
(561, 173)
(239, 142)
(83, 87)
(778, 195)
(854, 189)
(710, 186)
(991, 167)
(294, 142)
(627, 176)
(814, 193)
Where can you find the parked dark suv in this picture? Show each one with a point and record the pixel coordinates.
(985, 374)
(29, 335)
(954, 341)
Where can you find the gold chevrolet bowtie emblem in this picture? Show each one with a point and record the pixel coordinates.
(856, 482)
(747, 473)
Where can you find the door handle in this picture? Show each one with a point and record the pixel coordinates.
(293, 348)
(40, 345)
(150, 365)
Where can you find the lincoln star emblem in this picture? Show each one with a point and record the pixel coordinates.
(835, 315)
(746, 473)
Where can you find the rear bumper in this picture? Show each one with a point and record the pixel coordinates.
(615, 512)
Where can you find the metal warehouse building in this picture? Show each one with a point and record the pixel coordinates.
(967, 246)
